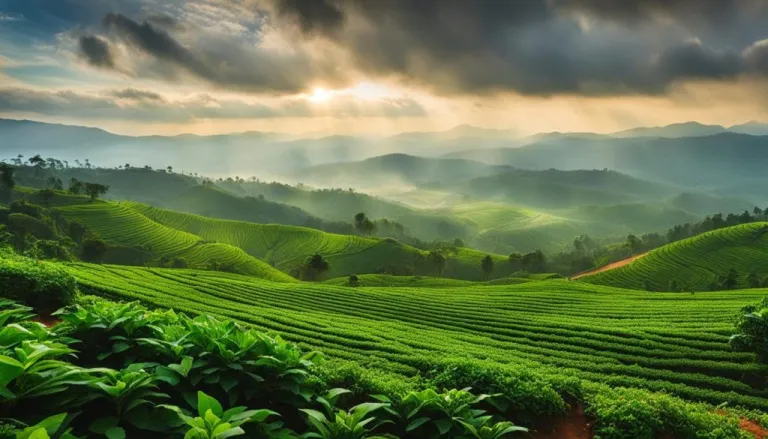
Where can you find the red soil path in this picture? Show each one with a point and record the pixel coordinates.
(757, 430)
(607, 267)
(573, 426)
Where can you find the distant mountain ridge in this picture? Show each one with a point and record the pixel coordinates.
(272, 155)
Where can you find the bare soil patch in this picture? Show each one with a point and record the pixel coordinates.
(611, 266)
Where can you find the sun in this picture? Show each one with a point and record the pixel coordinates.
(320, 94)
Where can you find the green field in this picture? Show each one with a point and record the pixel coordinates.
(662, 341)
(696, 262)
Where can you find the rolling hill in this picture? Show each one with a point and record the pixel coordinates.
(286, 247)
(560, 189)
(697, 262)
(395, 170)
(703, 162)
(119, 224)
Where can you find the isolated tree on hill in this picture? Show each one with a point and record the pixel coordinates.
(458, 242)
(487, 265)
(76, 186)
(317, 265)
(634, 244)
(364, 225)
(437, 259)
(94, 190)
(673, 286)
(7, 182)
(169, 169)
(353, 281)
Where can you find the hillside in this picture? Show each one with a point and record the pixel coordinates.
(560, 189)
(697, 262)
(395, 170)
(118, 224)
(286, 247)
(720, 160)
(561, 329)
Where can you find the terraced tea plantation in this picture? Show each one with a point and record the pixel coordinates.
(676, 343)
(696, 262)
(262, 250)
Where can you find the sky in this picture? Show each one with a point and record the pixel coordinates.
(382, 66)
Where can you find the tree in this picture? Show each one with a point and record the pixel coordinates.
(317, 265)
(458, 242)
(55, 183)
(75, 186)
(169, 169)
(7, 182)
(634, 244)
(353, 281)
(752, 330)
(38, 163)
(364, 225)
(647, 286)
(436, 258)
(516, 261)
(487, 265)
(533, 261)
(673, 286)
(94, 190)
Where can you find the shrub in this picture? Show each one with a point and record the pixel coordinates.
(42, 285)
(752, 330)
(25, 224)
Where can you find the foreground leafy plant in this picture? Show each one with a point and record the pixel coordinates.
(213, 422)
(344, 425)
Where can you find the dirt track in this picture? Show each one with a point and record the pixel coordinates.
(610, 266)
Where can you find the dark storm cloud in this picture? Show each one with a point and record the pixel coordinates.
(318, 16)
(221, 60)
(541, 47)
(156, 42)
(96, 51)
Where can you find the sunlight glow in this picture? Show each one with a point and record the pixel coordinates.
(320, 94)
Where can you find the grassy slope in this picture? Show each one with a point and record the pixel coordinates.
(696, 262)
(117, 223)
(385, 280)
(671, 342)
(286, 247)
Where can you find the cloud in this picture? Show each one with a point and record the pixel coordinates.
(148, 106)
(96, 51)
(538, 47)
(10, 16)
(222, 60)
(136, 95)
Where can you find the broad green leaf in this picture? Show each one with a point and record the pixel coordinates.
(10, 369)
(205, 403)
(115, 433)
